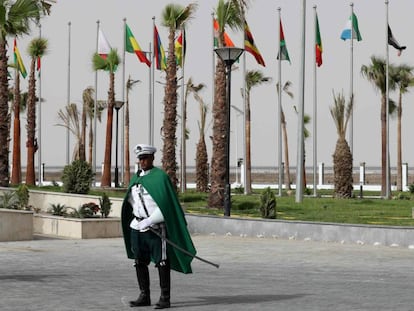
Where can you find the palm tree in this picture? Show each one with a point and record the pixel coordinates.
(283, 123)
(191, 88)
(127, 169)
(37, 48)
(109, 64)
(376, 74)
(253, 78)
(15, 18)
(342, 157)
(201, 150)
(229, 13)
(19, 105)
(174, 17)
(70, 118)
(404, 80)
(88, 107)
(89, 101)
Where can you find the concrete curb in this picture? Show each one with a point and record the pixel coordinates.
(315, 231)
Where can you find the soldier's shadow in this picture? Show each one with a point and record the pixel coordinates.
(233, 299)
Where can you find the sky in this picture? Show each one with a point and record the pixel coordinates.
(262, 16)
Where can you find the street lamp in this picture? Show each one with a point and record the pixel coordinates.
(118, 105)
(228, 55)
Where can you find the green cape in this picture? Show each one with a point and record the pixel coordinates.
(159, 186)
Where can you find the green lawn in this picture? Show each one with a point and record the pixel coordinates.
(370, 210)
(373, 211)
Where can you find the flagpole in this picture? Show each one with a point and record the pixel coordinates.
(351, 82)
(315, 100)
(243, 180)
(213, 67)
(387, 153)
(95, 107)
(279, 110)
(123, 110)
(300, 142)
(150, 105)
(39, 139)
(68, 95)
(183, 118)
(152, 83)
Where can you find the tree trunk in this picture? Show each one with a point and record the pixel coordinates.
(286, 153)
(16, 175)
(248, 177)
(218, 160)
(399, 145)
(4, 110)
(127, 168)
(31, 127)
(106, 176)
(383, 147)
(170, 114)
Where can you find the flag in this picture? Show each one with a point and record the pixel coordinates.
(103, 45)
(250, 47)
(18, 60)
(351, 27)
(393, 42)
(227, 40)
(179, 43)
(283, 47)
(318, 44)
(132, 46)
(159, 53)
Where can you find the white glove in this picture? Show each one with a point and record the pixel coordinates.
(144, 224)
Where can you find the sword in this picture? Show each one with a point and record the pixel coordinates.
(182, 249)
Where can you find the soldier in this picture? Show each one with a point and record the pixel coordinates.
(151, 213)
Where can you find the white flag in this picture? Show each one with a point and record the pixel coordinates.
(103, 45)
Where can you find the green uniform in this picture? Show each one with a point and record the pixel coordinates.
(159, 186)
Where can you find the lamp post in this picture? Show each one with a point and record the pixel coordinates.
(228, 55)
(118, 105)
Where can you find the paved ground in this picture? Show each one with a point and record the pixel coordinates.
(254, 274)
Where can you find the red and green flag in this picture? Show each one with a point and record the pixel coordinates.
(159, 53)
(283, 48)
(18, 60)
(318, 44)
(227, 40)
(180, 47)
(132, 46)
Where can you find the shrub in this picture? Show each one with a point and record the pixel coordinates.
(9, 200)
(268, 204)
(77, 177)
(22, 194)
(411, 188)
(88, 210)
(58, 209)
(105, 205)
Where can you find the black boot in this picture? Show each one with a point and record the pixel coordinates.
(144, 298)
(164, 272)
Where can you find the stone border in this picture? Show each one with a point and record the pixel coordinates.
(328, 232)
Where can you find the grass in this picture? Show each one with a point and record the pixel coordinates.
(370, 210)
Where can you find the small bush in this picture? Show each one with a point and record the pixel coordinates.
(22, 194)
(77, 177)
(268, 204)
(411, 188)
(58, 209)
(9, 200)
(105, 205)
(88, 210)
